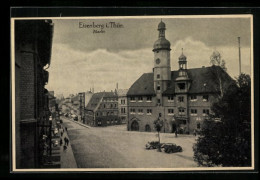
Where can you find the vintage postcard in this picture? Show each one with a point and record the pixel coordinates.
(149, 93)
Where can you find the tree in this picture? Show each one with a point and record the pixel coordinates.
(216, 60)
(158, 124)
(227, 142)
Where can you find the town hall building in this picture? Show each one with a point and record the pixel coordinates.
(180, 98)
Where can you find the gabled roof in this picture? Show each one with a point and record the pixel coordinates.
(142, 86)
(96, 97)
(203, 80)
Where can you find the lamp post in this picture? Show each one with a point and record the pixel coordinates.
(50, 137)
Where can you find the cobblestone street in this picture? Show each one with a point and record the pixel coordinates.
(115, 147)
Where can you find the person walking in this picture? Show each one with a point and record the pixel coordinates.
(60, 141)
(61, 133)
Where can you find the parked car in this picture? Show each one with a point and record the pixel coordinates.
(75, 118)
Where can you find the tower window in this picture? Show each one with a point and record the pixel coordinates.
(158, 87)
(170, 98)
(181, 111)
(170, 111)
(149, 111)
(181, 98)
(193, 112)
(181, 86)
(158, 76)
(158, 101)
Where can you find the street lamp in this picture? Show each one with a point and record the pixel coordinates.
(50, 122)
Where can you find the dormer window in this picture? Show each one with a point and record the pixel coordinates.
(181, 86)
(205, 97)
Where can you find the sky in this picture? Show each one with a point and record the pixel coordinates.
(82, 59)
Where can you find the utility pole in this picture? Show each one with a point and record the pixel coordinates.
(239, 54)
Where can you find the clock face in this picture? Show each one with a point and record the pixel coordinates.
(158, 61)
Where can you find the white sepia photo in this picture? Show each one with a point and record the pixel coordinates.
(133, 93)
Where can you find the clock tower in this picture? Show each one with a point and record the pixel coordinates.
(162, 63)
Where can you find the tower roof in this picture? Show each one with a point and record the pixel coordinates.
(161, 43)
(182, 56)
(161, 25)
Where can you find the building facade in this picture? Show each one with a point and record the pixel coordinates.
(181, 99)
(122, 105)
(102, 109)
(33, 42)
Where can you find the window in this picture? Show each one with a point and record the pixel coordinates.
(140, 111)
(193, 112)
(205, 97)
(97, 113)
(123, 110)
(149, 111)
(122, 101)
(181, 111)
(181, 86)
(205, 112)
(160, 114)
(107, 113)
(115, 105)
(181, 98)
(158, 87)
(104, 105)
(140, 98)
(108, 122)
(170, 111)
(149, 99)
(158, 76)
(193, 98)
(170, 98)
(158, 101)
(132, 99)
(132, 111)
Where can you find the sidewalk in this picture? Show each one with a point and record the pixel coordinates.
(67, 159)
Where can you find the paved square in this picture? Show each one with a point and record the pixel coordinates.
(115, 147)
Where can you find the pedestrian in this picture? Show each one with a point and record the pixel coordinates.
(61, 133)
(65, 140)
(176, 133)
(194, 132)
(64, 147)
(60, 141)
